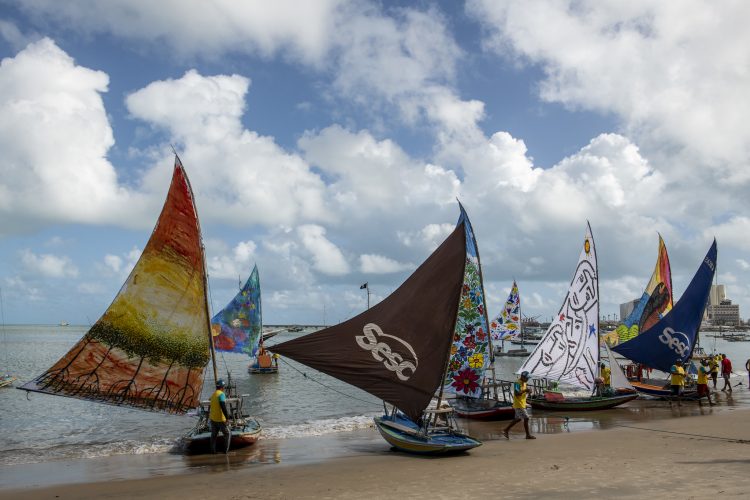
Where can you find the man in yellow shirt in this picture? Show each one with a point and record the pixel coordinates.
(520, 391)
(677, 380)
(714, 365)
(703, 373)
(218, 416)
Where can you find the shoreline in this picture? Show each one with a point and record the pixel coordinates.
(708, 453)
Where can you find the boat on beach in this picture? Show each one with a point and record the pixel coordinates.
(150, 348)
(569, 352)
(244, 430)
(400, 349)
(674, 336)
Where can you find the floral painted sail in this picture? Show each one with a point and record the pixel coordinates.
(150, 347)
(507, 324)
(470, 352)
(569, 350)
(237, 327)
(655, 302)
(397, 350)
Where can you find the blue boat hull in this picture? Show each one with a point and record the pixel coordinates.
(402, 433)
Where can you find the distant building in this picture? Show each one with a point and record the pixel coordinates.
(720, 310)
(627, 308)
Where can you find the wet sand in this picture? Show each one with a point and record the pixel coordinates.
(691, 451)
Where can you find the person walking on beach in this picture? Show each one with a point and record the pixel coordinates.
(677, 381)
(520, 392)
(714, 364)
(747, 367)
(703, 390)
(726, 372)
(218, 416)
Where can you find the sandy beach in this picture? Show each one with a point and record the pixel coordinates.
(692, 456)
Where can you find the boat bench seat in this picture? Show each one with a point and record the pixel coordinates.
(553, 396)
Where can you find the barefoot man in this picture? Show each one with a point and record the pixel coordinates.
(520, 391)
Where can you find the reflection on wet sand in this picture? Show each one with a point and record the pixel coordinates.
(634, 412)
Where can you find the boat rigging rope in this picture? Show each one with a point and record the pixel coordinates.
(719, 438)
(328, 386)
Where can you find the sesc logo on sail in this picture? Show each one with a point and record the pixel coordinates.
(375, 341)
(671, 339)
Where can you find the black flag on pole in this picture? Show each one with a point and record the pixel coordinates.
(363, 286)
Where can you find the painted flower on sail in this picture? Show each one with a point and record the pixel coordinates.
(466, 381)
(470, 334)
(477, 360)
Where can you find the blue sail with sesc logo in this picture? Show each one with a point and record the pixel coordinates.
(673, 337)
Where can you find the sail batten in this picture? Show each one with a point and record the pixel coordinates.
(569, 350)
(397, 349)
(149, 348)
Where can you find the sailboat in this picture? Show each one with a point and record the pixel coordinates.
(569, 351)
(507, 325)
(239, 326)
(674, 336)
(471, 372)
(655, 302)
(399, 350)
(151, 346)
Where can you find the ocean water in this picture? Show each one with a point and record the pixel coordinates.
(298, 402)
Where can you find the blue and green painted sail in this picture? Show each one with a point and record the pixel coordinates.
(471, 350)
(237, 327)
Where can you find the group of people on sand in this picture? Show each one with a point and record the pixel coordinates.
(709, 368)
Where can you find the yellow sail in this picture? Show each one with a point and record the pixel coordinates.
(150, 347)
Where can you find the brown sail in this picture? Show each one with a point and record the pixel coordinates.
(151, 345)
(398, 349)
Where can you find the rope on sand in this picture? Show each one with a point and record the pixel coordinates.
(718, 438)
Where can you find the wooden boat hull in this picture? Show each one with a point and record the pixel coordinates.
(256, 370)
(591, 403)
(7, 381)
(200, 442)
(402, 434)
(658, 391)
(484, 409)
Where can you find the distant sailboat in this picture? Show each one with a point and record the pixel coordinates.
(569, 351)
(398, 350)
(150, 348)
(507, 325)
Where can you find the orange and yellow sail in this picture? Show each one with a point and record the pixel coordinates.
(151, 345)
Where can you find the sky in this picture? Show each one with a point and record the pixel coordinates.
(328, 141)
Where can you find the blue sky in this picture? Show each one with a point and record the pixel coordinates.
(327, 142)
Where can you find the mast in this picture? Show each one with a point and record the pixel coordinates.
(205, 275)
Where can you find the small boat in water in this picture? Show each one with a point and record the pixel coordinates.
(239, 327)
(399, 350)
(7, 381)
